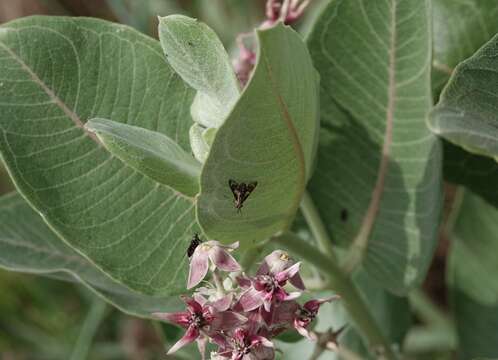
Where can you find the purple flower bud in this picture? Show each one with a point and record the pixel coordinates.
(307, 313)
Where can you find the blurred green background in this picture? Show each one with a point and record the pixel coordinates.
(44, 318)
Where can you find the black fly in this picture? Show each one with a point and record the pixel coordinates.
(241, 192)
(193, 245)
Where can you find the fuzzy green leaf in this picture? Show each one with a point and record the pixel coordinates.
(58, 72)
(198, 56)
(28, 245)
(151, 153)
(378, 178)
(269, 137)
(467, 113)
(460, 28)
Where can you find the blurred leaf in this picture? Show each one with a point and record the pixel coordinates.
(459, 29)
(378, 178)
(467, 113)
(473, 280)
(478, 173)
(151, 153)
(57, 73)
(269, 137)
(28, 245)
(198, 56)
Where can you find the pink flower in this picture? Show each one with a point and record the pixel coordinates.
(289, 11)
(246, 346)
(269, 288)
(277, 262)
(307, 313)
(201, 318)
(219, 256)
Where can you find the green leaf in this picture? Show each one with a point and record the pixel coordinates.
(467, 113)
(200, 141)
(198, 56)
(269, 137)
(58, 72)
(477, 173)
(28, 245)
(378, 179)
(459, 29)
(473, 283)
(151, 153)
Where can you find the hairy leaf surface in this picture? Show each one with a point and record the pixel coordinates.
(467, 113)
(378, 178)
(151, 153)
(268, 138)
(28, 245)
(198, 56)
(57, 73)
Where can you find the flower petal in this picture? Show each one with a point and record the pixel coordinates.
(314, 305)
(199, 265)
(190, 336)
(192, 305)
(292, 296)
(251, 299)
(223, 260)
(201, 346)
(179, 318)
(227, 320)
(288, 273)
(297, 282)
(223, 303)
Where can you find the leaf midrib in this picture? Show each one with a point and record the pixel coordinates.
(298, 150)
(50, 93)
(360, 242)
(62, 105)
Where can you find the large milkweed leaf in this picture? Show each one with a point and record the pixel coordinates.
(269, 137)
(151, 153)
(472, 269)
(467, 112)
(378, 178)
(198, 56)
(55, 74)
(28, 245)
(460, 27)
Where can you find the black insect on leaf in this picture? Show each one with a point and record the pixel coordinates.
(193, 245)
(241, 192)
(344, 215)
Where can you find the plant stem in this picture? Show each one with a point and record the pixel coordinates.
(316, 225)
(88, 330)
(218, 283)
(342, 284)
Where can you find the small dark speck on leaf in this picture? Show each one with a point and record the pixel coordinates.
(190, 43)
(344, 214)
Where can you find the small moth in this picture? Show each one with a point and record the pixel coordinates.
(193, 245)
(241, 192)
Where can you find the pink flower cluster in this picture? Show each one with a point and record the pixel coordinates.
(241, 314)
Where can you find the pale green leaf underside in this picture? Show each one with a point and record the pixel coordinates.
(379, 168)
(269, 138)
(28, 245)
(473, 266)
(460, 28)
(198, 56)
(151, 153)
(55, 74)
(467, 113)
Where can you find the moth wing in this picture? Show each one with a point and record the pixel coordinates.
(234, 187)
